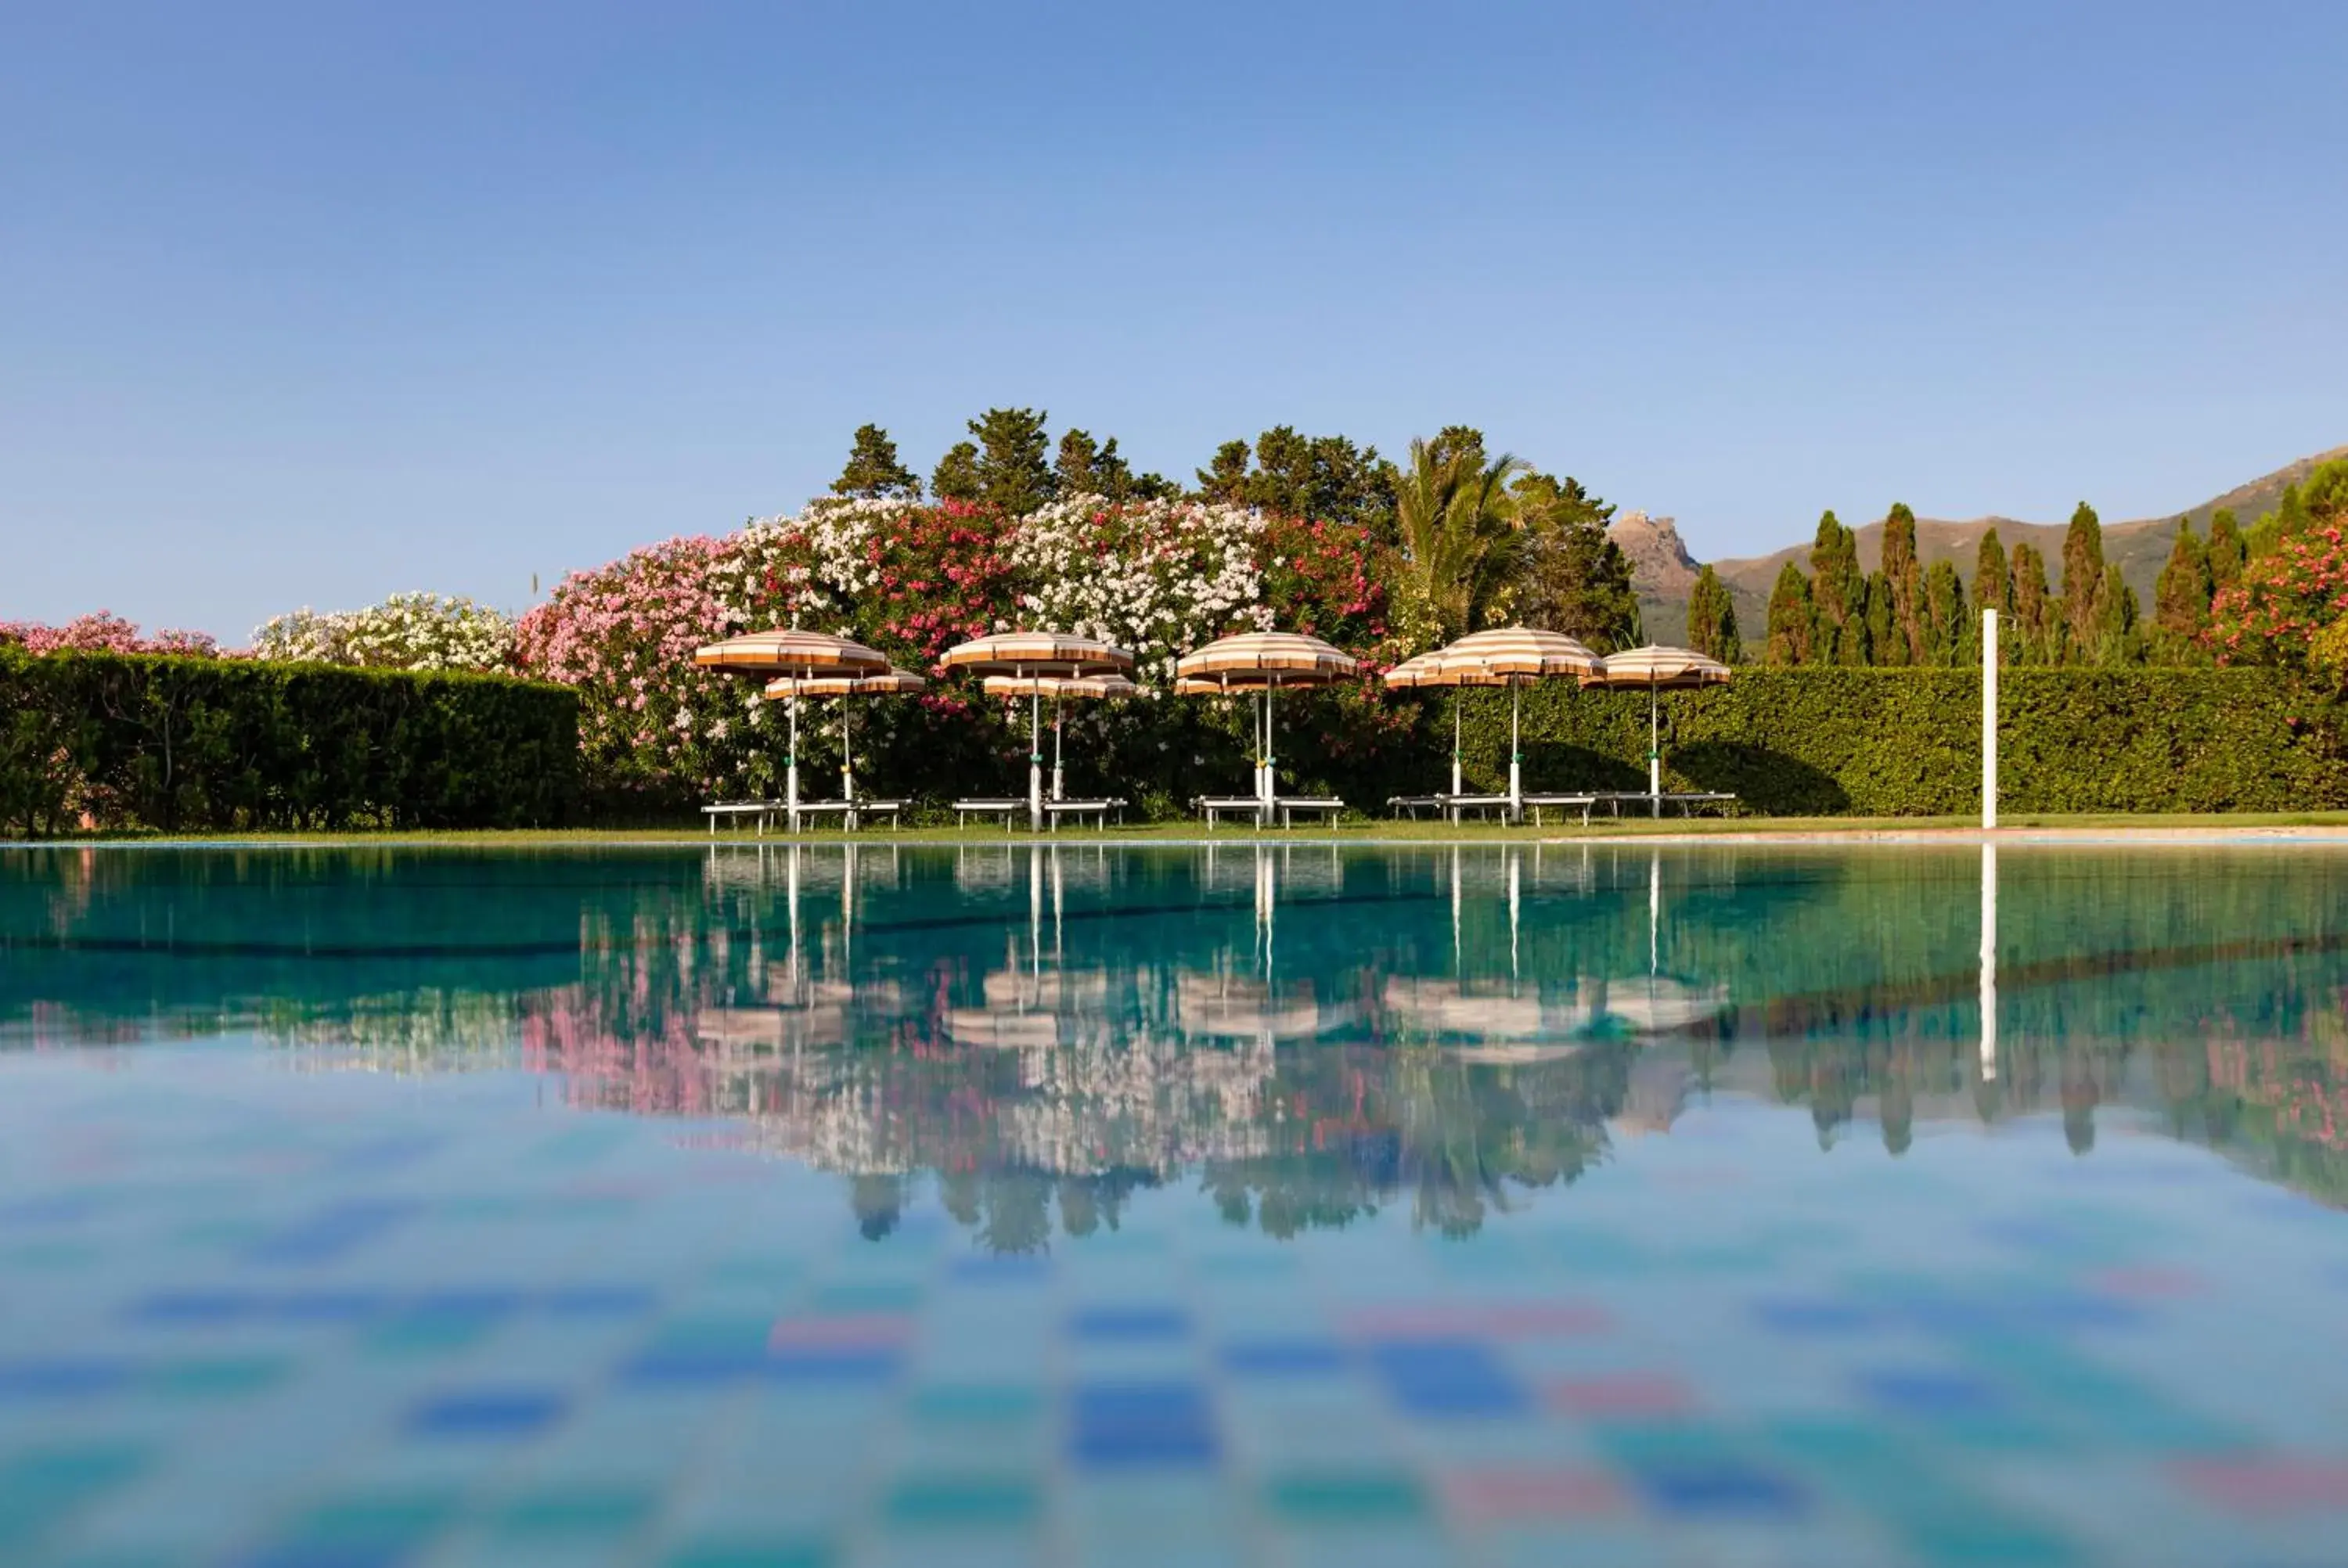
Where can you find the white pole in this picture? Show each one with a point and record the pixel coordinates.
(1455, 746)
(1654, 755)
(1989, 961)
(1989, 718)
(1035, 759)
(1058, 719)
(791, 769)
(1516, 782)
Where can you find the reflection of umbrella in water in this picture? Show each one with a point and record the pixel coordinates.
(1253, 661)
(1059, 688)
(1658, 669)
(1025, 654)
(795, 653)
(887, 683)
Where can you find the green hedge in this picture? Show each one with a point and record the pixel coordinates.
(178, 744)
(1894, 743)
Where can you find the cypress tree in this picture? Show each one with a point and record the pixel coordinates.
(1884, 644)
(1993, 584)
(1790, 617)
(1838, 593)
(2289, 519)
(873, 468)
(1712, 618)
(2117, 639)
(2033, 611)
(2083, 578)
(2180, 599)
(2227, 551)
(1949, 630)
(1905, 574)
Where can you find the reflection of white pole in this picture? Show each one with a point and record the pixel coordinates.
(1266, 893)
(1654, 913)
(1059, 899)
(1035, 907)
(1989, 961)
(1454, 909)
(1516, 871)
(791, 893)
(1989, 719)
(848, 914)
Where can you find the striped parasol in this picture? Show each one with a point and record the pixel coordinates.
(1059, 688)
(791, 652)
(1057, 653)
(889, 682)
(1024, 655)
(1658, 669)
(1264, 661)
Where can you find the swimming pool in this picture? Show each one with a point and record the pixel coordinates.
(1080, 1203)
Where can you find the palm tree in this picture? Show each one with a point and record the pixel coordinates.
(1458, 537)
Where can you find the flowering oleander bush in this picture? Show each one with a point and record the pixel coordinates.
(2286, 608)
(103, 631)
(406, 632)
(1158, 578)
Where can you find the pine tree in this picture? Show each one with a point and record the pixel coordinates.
(2287, 520)
(1712, 619)
(1014, 476)
(2228, 552)
(1905, 575)
(2180, 599)
(1791, 618)
(957, 476)
(1949, 631)
(1088, 467)
(2082, 579)
(873, 468)
(2035, 612)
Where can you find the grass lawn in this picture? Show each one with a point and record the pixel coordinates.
(1361, 831)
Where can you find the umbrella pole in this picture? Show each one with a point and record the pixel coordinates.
(1654, 755)
(1455, 746)
(848, 759)
(1058, 722)
(1035, 759)
(1270, 762)
(1516, 778)
(791, 769)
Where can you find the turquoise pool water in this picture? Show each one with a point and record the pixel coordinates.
(1173, 1205)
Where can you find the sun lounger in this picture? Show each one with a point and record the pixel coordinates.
(1214, 806)
(1536, 804)
(1056, 809)
(1413, 803)
(760, 809)
(1688, 801)
(858, 810)
(1288, 805)
(1456, 804)
(964, 810)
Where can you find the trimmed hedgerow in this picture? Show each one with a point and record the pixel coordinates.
(182, 745)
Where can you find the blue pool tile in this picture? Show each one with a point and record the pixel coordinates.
(64, 1379)
(1101, 1323)
(1440, 1378)
(691, 1364)
(1284, 1358)
(1120, 1425)
(1006, 1269)
(1718, 1488)
(597, 1301)
(472, 1306)
(1929, 1392)
(1824, 1319)
(487, 1413)
(330, 1305)
(859, 1365)
(193, 1308)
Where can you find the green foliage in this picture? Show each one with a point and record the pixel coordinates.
(1460, 546)
(957, 476)
(1993, 581)
(1325, 477)
(2035, 614)
(2228, 552)
(206, 745)
(1712, 619)
(873, 468)
(1572, 577)
(1014, 476)
(1792, 617)
(1905, 577)
(2083, 577)
(2180, 612)
(1837, 596)
(1088, 467)
(1906, 741)
(1951, 636)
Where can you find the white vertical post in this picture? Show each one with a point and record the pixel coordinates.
(1516, 780)
(1034, 758)
(1989, 718)
(791, 769)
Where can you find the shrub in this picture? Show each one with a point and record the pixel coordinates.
(406, 632)
(135, 741)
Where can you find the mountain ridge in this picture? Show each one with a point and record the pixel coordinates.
(1662, 570)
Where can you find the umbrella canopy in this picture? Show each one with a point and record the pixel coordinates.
(1511, 655)
(792, 652)
(1036, 653)
(1059, 686)
(1661, 669)
(1285, 658)
(890, 682)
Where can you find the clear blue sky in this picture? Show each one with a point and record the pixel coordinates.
(308, 304)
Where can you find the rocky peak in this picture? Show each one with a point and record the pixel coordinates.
(1661, 566)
